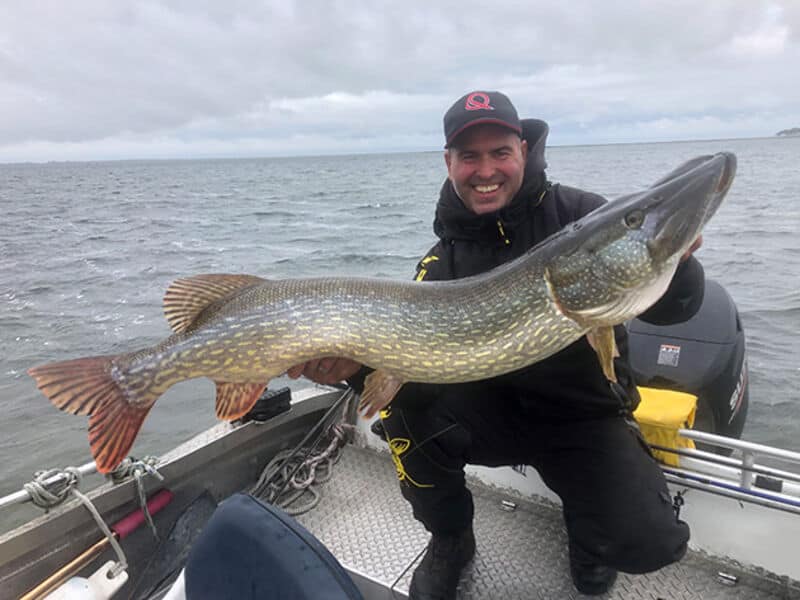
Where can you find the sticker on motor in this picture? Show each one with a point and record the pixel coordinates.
(669, 355)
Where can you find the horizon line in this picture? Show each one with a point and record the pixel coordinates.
(366, 153)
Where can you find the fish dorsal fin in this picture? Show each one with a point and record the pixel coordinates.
(187, 298)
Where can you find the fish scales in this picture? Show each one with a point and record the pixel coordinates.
(356, 318)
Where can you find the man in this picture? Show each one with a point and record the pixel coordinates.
(561, 415)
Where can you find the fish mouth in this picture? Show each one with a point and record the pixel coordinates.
(685, 200)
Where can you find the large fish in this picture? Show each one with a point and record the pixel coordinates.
(241, 331)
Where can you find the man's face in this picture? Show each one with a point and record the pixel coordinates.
(486, 164)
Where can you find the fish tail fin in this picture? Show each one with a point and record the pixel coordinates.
(87, 386)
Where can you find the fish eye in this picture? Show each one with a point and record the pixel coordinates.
(634, 219)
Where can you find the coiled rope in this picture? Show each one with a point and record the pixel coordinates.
(289, 477)
(293, 474)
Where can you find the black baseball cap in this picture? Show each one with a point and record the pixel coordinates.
(478, 108)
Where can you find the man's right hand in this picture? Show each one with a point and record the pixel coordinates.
(326, 371)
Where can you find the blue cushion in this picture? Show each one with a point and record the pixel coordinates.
(250, 549)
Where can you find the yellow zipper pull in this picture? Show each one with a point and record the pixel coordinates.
(503, 233)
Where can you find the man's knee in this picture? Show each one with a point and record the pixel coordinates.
(428, 454)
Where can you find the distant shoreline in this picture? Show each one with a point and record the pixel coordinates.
(793, 132)
(354, 154)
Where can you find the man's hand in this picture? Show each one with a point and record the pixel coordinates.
(695, 245)
(327, 371)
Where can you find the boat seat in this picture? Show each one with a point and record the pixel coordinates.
(253, 550)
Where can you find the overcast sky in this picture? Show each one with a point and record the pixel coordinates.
(100, 79)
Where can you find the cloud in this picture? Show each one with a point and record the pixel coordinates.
(197, 78)
(768, 39)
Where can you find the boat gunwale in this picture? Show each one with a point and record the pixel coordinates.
(37, 547)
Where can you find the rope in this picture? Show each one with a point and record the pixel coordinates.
(288, 477)
(48, 495)
(130, 465)
(138, 468)
(122, 561)
(293, 474)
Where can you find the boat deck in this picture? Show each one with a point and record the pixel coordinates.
(521, 552)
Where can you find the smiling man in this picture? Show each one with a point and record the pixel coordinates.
(561, 415)
(487, 164)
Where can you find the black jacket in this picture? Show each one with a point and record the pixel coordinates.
(569, 384)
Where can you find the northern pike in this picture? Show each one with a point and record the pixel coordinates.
(241, 330)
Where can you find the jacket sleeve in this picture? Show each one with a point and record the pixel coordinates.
(357, 381)
(586, 203)
(434, 266)
(683, 297)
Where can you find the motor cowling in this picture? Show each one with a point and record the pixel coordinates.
(704, 356)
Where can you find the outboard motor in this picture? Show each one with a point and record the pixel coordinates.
(704, 356)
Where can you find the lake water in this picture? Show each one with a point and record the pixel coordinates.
(88, 249)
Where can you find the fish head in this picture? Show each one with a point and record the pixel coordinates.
(617, 261)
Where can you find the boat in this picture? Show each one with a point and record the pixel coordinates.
(144, 532)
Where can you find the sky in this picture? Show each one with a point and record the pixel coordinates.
(97, 80)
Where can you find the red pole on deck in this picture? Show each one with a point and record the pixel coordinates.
(120, 530)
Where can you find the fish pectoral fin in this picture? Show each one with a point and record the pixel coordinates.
(380, 388)
(234, 400)
(86, 386)
(604, 343)
(186, 298)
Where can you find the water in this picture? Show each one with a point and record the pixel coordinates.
(88, 249)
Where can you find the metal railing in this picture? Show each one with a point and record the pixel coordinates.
(24, 496)
(738, 477)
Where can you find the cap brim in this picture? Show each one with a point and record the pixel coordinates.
(486, 121)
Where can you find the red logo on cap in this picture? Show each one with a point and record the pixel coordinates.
(478, 101)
